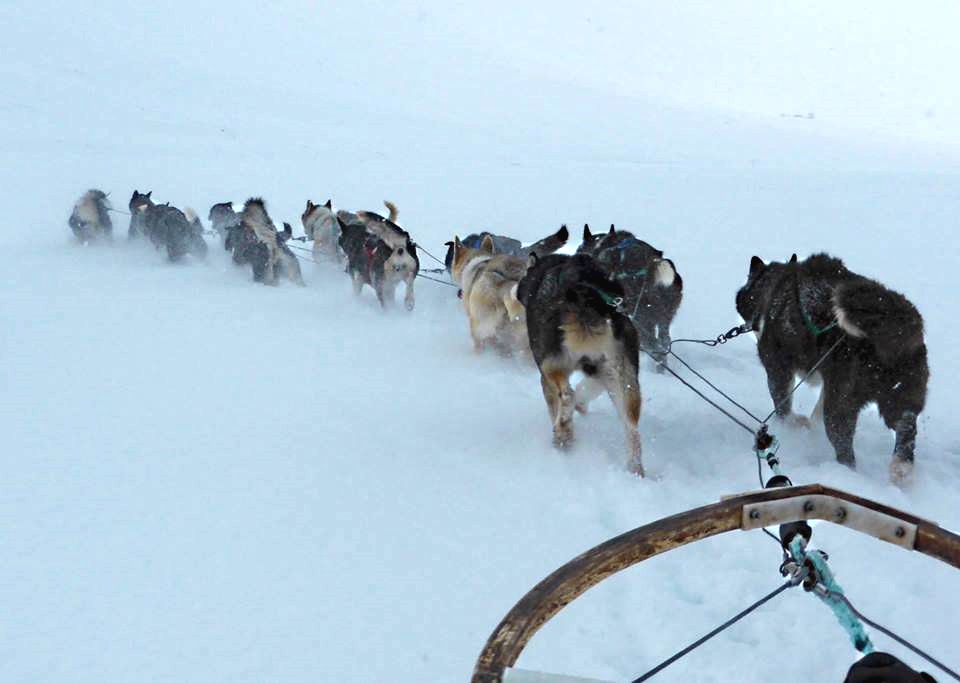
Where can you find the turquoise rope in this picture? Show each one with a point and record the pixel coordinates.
(768, 452)
(848, 620)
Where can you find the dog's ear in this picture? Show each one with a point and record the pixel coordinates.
(487, 244)
(147, 195)
(310, 206)
(532, 260)
(756, 265)
(587, 235)
(343, 226)
(457, 244)
(793, 260)
(329, 204)
(563, 234)
(612, 229)
(287, 230)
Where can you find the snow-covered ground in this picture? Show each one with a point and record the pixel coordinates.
(209, 480)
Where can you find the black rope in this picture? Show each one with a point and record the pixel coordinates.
(802, 380)
(713, 386)
(432, 256)
(903, 641)
(732, 333)
(433, 279)
(722, 627)
(699, 393)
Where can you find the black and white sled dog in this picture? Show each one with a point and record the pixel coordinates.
(320, 225)
(509, 246)
(90, 218)
(574, 323)
(799, 310)
(166, 227)
(653, 289)
(380, 254)
(257, 242)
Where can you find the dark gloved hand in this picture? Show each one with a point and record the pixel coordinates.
(880, 667)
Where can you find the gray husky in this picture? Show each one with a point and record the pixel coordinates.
(574, 323)
(166, 226)
(799, 310)
(653, 289)
(90, 218)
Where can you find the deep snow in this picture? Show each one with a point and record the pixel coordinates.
(206, 479)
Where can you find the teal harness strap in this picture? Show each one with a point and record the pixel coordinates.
(812, 326)
(631, 273)
(848, 620)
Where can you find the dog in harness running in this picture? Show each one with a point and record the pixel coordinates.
(321, 227)
(166, 226)
(380, 254)
(574, 323)
(90, 218)
(653, 289)
(800, 310)
(256, 241)
(488, 282)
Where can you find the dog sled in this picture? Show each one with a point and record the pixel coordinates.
(789, 507)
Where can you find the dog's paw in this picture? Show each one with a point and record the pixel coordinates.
(409, 304)
(581, 408)
(563, 436)
(901, 473)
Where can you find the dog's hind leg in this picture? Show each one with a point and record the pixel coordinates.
(623, 385)
(840, 412)
(559, 396)
(903, 421)
(357, 283)
(780, 382)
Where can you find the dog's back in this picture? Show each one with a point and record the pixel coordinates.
(653, 289)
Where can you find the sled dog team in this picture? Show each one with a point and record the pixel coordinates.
(594, 311)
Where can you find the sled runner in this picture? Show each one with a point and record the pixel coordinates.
(788, 506)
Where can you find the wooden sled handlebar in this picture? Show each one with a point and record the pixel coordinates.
(746, 511)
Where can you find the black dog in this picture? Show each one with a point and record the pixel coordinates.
(510, 246)
(257, 242)
(653, 287)
(574, 323)
(800, 310)
(379, 254)
(166, 226)
(90, 218)
(225, 222)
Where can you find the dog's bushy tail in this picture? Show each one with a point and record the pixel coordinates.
(392, 208)
(663, 273)
(865, 309)
(511, 302)
(550, 243)
(256, 217)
